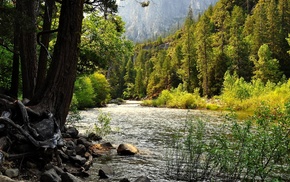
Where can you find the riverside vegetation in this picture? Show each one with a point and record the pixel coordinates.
(256, 149)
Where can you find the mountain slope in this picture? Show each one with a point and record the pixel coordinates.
(158, 18)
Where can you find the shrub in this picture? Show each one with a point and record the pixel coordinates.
(240, 95)
(102, 127)
(177, 98)
(101, 89)
(164, 98)
(256, 149)
(84, 92)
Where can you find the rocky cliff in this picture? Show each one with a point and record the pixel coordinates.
(159, 18)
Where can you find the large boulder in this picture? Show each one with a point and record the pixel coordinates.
(127, 149)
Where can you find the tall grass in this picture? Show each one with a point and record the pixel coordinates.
(255, 150)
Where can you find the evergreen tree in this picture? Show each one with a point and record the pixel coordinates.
(284, 14)
(266, 68)
(237, 50)
(260, 27)
(140, 90)
(204, 51)
(221, 19)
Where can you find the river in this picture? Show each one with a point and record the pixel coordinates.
(148, 128)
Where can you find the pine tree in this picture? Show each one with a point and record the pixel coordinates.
(266, 68)
(260, 27)
(204, 51)
(237, 50)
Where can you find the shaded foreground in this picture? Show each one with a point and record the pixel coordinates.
(32, 147)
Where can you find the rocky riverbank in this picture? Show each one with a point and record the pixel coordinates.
(70, 162)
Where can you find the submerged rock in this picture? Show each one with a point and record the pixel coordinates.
(102, 174)
(142, 179)
(127, 149)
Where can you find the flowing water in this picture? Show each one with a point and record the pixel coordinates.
(149, 129)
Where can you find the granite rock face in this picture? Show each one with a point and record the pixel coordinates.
(159, 18)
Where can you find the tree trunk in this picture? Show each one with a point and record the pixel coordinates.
(44, 41)
(55, 96)
(27, 45)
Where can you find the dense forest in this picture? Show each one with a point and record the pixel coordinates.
(248, 38)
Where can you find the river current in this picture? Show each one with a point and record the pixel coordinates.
(148, 128)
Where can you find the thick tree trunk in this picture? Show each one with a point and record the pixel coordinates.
(27, 45)
(57, 93)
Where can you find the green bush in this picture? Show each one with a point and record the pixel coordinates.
(101, 89)
(238, 94)
(177, 98)
(164, 98)
(84, 92)
(91, 91)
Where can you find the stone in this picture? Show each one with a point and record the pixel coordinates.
(67, 177)
(124, 180)
(50, 176)
(7, 179)
(58, 170)
(63, 155)
(45, 129)
(11, 173)
(127, 149)
(79, 159)
(81, 149)
(94, 137)
(102, 174)
(98, 150)
(84, 141)
(70, 145)
(72, 131)
(142, 179)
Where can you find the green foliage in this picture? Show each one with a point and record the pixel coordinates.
(103, 47)
(6, 68)
(91, 91)
(101, 89)
(241, 95)
(178, 98)
(266, 68)
(74, 115)
(246, 38)
(102, 127)
(257, 148)
(84, 92)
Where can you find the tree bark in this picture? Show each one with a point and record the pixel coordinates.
(42, 63)
(56, 94)
(27, 45)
